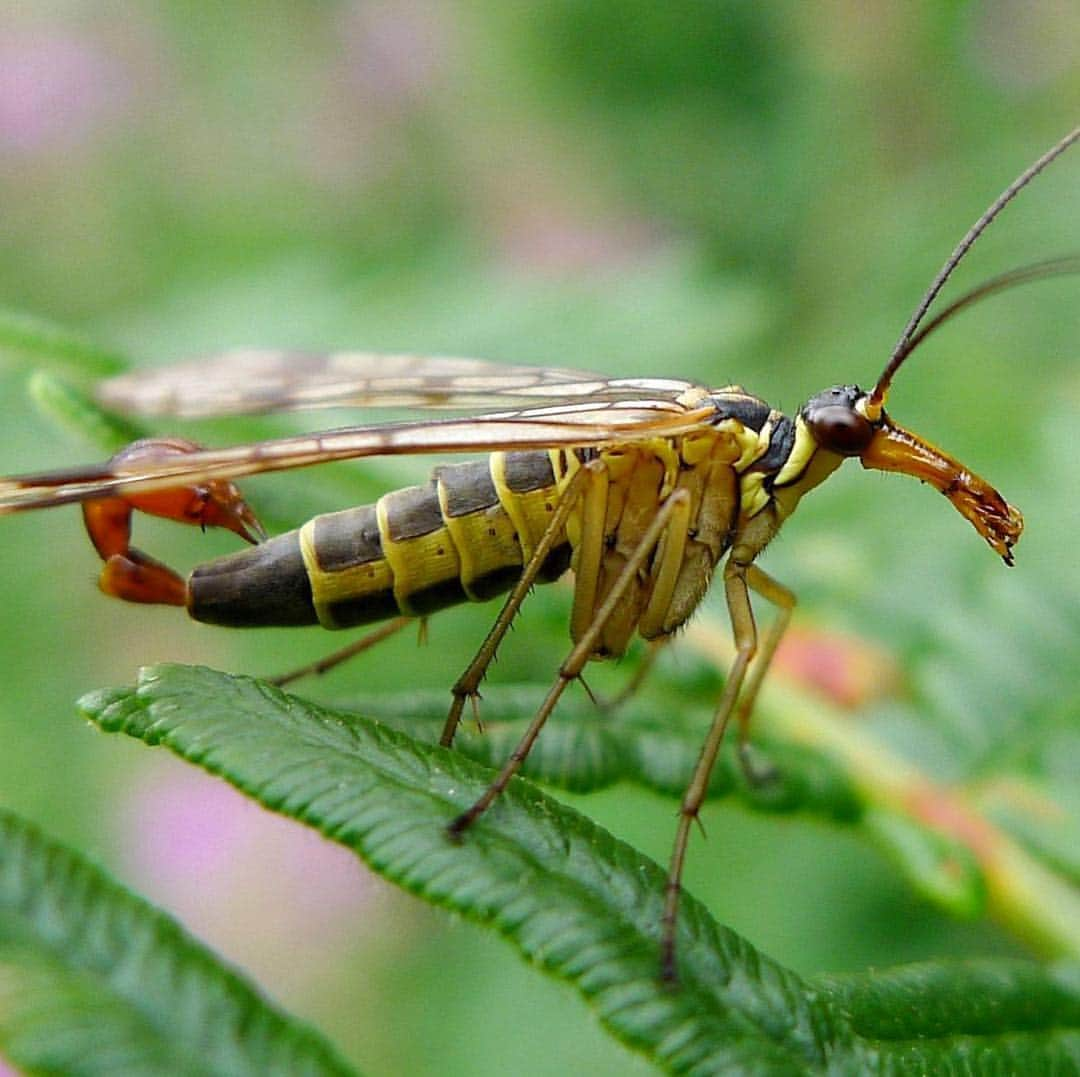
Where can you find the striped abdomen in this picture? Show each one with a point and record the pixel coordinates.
(464, 536)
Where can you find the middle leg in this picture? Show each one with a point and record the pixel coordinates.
(468, 684)
(336, 658)
(675, 508)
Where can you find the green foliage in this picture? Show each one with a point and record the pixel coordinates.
(389, 798)
(38, 344)
(584, 906)
(96, 981)
(724, 191)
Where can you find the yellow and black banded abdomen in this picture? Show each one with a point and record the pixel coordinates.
(462, 537)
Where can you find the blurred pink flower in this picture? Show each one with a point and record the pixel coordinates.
(550, 239)
(273, 895)
(56, 89)
(394, 53)
(388, 66)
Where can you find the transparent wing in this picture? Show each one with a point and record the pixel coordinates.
(247, 382)
(579, 423)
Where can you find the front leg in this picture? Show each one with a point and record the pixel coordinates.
(784, 600)
(742, 622)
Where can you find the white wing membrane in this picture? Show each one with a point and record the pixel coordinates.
(253, 381)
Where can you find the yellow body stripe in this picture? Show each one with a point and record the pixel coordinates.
(473, 550)
(327, 588)
(804, 448)
(513, 506)
(486, 542)
(748, 441)
(752, 492)
(535, 508)
(753, 496)
(416, 563)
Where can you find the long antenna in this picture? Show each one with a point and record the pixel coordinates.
(904, 344)
(1052, 267)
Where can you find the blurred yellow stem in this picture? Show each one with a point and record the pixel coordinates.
(1029, 899)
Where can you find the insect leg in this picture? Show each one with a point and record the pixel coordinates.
(639, 676)
(674, 512)
(742, 624)
(468, 683)
(344, 654)
(784, 600)
(128, 573)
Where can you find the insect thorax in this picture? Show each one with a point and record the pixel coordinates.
(729, 469)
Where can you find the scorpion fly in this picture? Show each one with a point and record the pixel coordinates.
(639, 487)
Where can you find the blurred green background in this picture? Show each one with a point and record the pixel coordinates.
(726, 191)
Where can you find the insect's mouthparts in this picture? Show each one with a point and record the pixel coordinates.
(895, 449)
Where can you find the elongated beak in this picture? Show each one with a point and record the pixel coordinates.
(893, 448)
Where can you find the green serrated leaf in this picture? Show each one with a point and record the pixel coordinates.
(991, 1016)
(573, 899)
(585, 907)
(95, 981)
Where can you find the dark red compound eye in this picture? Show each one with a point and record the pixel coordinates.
(840, 429)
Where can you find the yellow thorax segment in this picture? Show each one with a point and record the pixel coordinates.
(800, 455)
